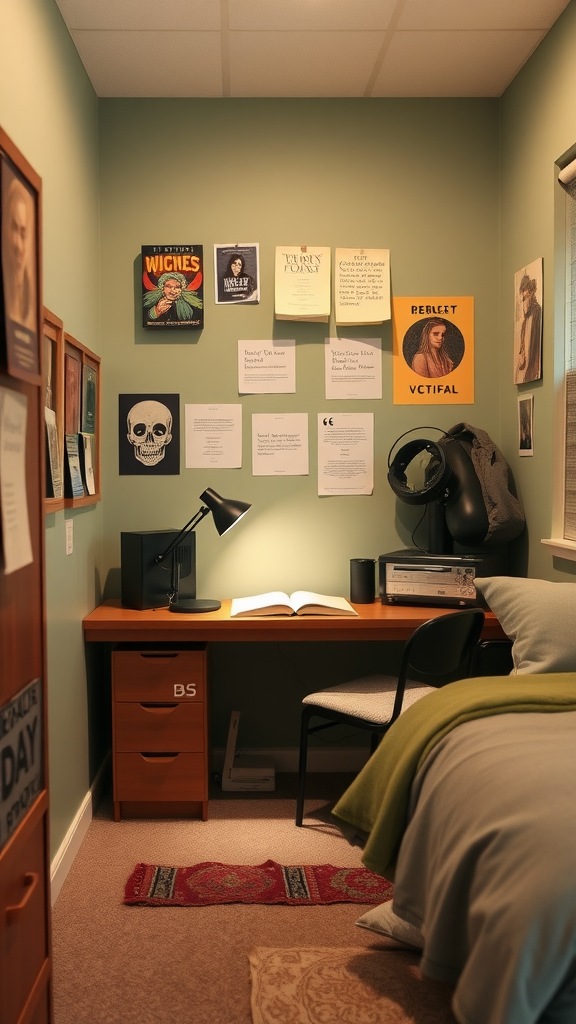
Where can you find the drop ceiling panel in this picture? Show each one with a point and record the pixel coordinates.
(152, 63)
(310, 15)
(487, 14)
(301, 64)
(453, 63)
(141, 14)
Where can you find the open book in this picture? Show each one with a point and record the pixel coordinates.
(301, 602)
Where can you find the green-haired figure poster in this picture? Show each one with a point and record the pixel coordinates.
(172, 286)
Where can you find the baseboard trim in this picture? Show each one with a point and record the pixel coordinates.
(285, 759)
(71, 843)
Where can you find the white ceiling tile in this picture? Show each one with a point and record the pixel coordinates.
(453, 63)
(141, 14)
(315, 15)
(486, 14)
(301, 63)
(152, 63)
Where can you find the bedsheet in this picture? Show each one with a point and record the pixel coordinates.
(487, 868)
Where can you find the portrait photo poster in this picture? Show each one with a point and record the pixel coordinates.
(528, 322)
(149, 435)
(236, 273)
(19, 277)
(172, 287)
(526, 424)
(353, 367)
(433, 350)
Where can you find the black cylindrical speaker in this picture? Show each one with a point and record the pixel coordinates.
(362, 580)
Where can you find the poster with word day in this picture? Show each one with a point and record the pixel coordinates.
(172, 286)
(361, 286)
(433, 350)
(302, 283)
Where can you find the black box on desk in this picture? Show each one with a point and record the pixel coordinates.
(410, 576)
(144, 583)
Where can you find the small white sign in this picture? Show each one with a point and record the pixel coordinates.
(345, 453)
(267, 367)
(213, 436)
(353, 367)
(280, 444)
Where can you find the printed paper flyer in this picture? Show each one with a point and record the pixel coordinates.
(433, 356)
(172, 286)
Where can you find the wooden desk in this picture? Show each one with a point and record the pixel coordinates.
(113, 623)
(160, 739)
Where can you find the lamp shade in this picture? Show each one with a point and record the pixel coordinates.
(225, 511)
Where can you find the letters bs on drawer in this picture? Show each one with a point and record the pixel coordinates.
(161, 676)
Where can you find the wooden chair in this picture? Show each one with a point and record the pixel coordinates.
(439, 651)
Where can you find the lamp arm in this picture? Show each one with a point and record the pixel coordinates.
(190, 525)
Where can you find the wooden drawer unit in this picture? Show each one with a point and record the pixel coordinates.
(159, 729)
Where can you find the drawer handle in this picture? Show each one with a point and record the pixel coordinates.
(165, 758)
(31, 879)
(160, 657)
(159, 709)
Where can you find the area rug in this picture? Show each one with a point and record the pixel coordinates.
(211, 882)
(344, 986)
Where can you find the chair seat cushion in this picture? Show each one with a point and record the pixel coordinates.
(370, 698)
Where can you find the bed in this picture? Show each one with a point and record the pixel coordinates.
(469, 806)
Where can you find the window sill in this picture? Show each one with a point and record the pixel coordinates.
(561, 548)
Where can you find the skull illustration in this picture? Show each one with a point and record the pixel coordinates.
(149, 430)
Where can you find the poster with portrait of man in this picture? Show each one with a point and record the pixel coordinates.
(19, 277)
(173, 287)
(528, 323)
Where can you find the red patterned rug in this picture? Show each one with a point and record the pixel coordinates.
(210, 882)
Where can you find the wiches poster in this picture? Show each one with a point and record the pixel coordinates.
(172, 286)
(433, 360)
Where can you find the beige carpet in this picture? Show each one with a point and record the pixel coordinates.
(323, 985)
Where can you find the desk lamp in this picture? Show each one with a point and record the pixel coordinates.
(226, 513)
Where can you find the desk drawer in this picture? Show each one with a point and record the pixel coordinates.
(158, 676)
(168, 777)
(159, 727)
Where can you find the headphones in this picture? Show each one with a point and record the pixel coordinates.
(436, 474)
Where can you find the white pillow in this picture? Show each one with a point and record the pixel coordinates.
(383, 920)
(539, 617)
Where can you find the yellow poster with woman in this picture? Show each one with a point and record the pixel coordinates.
(433, 355)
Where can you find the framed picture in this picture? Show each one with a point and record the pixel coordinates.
(19, 263)
(149, 435)
(526, 424)
(528, 323)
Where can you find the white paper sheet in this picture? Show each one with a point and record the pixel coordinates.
(213, 436)
(280, 444)
(345, 453)
(267, 367)
(16, 540)
(353, 367)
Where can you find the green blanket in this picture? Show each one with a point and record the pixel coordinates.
(376, 803)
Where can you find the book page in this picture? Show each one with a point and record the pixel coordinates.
(302, 282)
(275, 602)
(305, 600)
(16, 539)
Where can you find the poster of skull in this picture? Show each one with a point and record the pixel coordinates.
(149, 435)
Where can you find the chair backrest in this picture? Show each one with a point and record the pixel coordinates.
(440, 651)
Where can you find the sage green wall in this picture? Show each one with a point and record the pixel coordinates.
(48, 108)
(537, 127)
(417, 176)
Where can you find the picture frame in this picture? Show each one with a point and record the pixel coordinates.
(528, 310)
(20, 277)
(526, 424)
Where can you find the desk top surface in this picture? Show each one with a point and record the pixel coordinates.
(112, 622)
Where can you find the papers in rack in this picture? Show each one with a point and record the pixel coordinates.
(301, 602)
